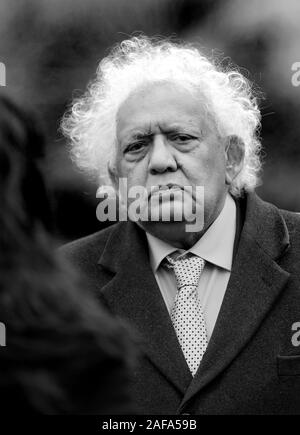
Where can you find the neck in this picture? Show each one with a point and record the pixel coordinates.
(174, 234)
(186, 242)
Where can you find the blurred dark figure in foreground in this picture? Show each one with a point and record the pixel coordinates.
(63, 353)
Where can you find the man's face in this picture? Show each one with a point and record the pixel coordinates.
(163, 140)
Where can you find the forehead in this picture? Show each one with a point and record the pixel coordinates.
(162, 104)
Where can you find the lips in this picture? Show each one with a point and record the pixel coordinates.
(160, 188)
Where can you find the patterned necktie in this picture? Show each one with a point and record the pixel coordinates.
(187, 314)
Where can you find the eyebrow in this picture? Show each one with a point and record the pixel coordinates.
(137, 133)
(173, 128)
(137, 136)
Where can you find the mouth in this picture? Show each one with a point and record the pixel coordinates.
(164, 188)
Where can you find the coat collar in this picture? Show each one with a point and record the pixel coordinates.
(265, 224)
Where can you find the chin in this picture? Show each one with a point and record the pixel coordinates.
(170, 211)
(168, 231)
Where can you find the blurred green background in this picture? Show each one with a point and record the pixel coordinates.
(51, 49)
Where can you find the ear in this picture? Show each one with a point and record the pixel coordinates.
(234, 155)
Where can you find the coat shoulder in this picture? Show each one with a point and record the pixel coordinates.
(292, 221)
(87, 248)
(291, 215)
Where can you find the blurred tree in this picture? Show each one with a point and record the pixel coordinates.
(51, 50)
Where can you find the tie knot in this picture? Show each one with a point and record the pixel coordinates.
(187, 270)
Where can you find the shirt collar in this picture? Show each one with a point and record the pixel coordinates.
(158, 250)
(215, 246)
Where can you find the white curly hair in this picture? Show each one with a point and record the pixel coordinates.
(230, 101)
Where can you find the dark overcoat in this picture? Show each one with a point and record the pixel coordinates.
(252, 363)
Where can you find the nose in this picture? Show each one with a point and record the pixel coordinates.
(161, 157)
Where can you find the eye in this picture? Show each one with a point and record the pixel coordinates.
(181, 137)
(135, 147)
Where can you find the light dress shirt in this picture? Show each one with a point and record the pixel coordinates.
(216, 248)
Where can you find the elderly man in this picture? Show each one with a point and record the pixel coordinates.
(216, 307)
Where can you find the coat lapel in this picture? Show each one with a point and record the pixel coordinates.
(256, 282)
(133, 294)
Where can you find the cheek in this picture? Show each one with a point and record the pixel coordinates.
(214, 160)
(217, 165)
(204, 166)
(200, 164)
(135, 172)
(124, 168)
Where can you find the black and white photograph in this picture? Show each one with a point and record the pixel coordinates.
(150, 211)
